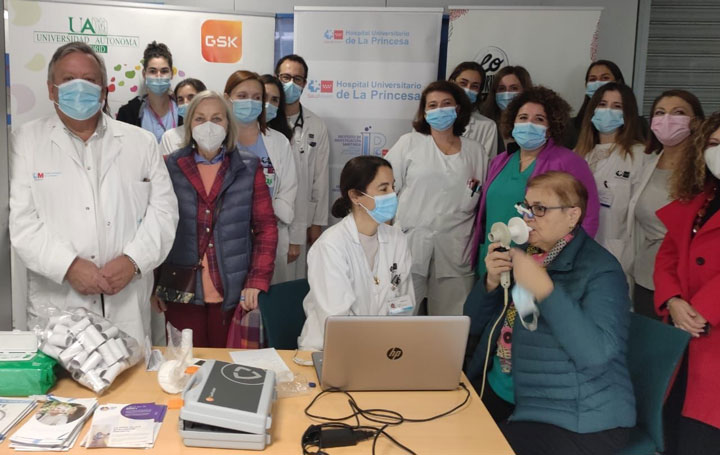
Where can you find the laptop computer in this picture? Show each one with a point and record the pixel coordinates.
(392, 352)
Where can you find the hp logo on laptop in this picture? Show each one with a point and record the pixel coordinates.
(394, 353)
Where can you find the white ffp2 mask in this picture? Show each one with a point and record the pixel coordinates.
(712, 159)
(209, 136)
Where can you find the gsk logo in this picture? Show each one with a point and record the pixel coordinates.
(221, 41)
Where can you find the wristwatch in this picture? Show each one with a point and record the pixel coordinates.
(137, 269)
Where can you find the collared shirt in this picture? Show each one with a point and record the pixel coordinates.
(199, 159)
(89, 154)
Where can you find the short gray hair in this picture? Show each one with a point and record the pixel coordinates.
(70, 48)
(231, 137)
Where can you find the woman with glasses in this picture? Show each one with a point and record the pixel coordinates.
(536, 119)
(156, 111)
(557, 382)
(676, 114)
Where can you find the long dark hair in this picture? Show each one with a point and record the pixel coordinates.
(617, 74)
(471, 66)
(357, 174)
(279, 123)
(628, 135)
(489, 108)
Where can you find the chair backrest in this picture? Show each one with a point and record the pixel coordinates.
(282, 313)
(654, 352)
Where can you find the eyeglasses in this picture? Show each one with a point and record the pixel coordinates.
(538, 210)
(285, 78)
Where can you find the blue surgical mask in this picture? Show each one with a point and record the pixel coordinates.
(385, 207)
(441, 118)
(79, 99)
(529, 136)
(592, 87)
(182, 110)
(270, 112)
(472, 94)
(607, 120)
(292, 92)
(247, 110)
(525, 305)
(158, 85)
(502, 99)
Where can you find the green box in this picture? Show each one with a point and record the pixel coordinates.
(27, 377)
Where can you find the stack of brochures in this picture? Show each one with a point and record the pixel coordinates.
(12, 411)
(134, 426)
(55, 426)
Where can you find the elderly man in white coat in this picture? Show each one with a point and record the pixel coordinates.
(92, 209)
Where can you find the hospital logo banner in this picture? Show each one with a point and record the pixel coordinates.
(368, 67)
(555, 44)
(206, 46)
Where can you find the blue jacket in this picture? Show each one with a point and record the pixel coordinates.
(572, 371)
(232, 239)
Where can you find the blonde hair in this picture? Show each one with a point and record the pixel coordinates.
(230, 138)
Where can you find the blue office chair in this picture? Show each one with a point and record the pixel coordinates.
(654, 352)
(282, 313)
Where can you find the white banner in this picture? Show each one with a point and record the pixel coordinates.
(555, 45)
(368, 67)
(206, 46)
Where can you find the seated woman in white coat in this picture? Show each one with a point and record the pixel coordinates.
(247, 93)
(360, 266)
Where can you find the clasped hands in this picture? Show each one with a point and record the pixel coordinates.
(87, 278)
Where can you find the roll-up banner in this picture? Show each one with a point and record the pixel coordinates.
(555, 44)
(367, 70)
(205, 45)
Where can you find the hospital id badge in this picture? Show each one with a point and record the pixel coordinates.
(402, 305)
(269, 178)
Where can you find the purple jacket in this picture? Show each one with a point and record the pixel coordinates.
(553, 157)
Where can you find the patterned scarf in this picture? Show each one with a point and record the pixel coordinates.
(504, 343)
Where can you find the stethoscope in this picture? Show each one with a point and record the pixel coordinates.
(300, 123)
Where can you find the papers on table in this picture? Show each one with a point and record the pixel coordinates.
(12, 411)
(125, 425)
(267, 359)
(55, 426)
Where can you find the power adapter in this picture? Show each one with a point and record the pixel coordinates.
(326, 438)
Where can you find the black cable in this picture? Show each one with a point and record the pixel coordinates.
(384, 417)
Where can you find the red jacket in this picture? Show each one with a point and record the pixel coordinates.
(690, 268)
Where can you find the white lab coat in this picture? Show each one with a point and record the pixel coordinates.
(633, 237)
(53, 220)
(311, 148)
(341, 282)
(173, 139)
(436, 207)
(617, 178)
(284, 195)
(484, 131)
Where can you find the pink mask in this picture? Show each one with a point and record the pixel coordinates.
(671, 129)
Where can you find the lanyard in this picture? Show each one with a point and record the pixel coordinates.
(159, 120)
